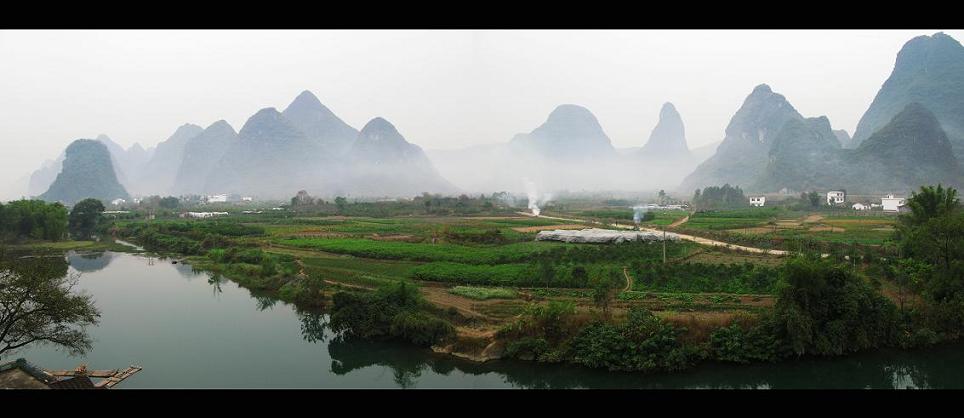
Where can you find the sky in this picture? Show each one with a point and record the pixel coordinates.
(441, 89)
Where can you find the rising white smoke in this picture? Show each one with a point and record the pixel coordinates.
(638, 212)
(534, 201)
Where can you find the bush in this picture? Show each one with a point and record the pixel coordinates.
(739, 344)
(824, 309)
(420, 328)
(484, 293)
(642, 343)
(393, 312)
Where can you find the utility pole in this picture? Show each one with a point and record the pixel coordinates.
(664, 244)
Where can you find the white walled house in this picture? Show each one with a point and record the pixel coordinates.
(218, 198)
(118, 202)
(835, 197)
(758, 201)
(860, 206)
(891, 203)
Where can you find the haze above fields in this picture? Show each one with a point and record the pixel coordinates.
(455, 94)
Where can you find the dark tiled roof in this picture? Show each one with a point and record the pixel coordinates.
(30, 369)
(79, 382)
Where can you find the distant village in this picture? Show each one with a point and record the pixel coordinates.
(838, 198)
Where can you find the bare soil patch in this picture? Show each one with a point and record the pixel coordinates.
(391, 237)
(827, 229)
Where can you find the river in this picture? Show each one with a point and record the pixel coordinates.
(188, 329)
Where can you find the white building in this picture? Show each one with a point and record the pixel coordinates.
(891, 203)
(758, 201)
(247, 199)
(203, 214)
(860, 206)
(118, 202)
(836, 197)
(218, 198)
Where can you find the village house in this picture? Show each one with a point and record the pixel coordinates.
(758, 201)
(835, 197)
(860, 206)
(891, 203)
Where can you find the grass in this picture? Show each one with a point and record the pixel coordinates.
(484, 293)
(395, 250)
(501, 274)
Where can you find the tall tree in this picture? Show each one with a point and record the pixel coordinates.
(84, 218)
(930, 202)
(38, 306)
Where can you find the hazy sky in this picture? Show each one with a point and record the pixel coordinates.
(441, 89)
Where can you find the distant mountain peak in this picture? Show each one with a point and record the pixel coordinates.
(378, 123)
(87, 172)
(667, 142)
(220, 125)
(318, 123)
(762, 89)
(306, 98)
(928, 70)
(379, 130)
(667, 110)
(570, 132)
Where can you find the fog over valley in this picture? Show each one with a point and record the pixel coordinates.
(479, 112)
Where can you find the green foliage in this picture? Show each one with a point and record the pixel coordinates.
(604, 289)
(718, 197)
(424, 252)
(642, 343)
(744, 344)
(393, 312)
(84, 218)
(169, 202)
(928, 203)
(484, 293)
(32, 219)
(743, 278)
(40, 306)
(551, 322)
(824, 309)
(498, 275)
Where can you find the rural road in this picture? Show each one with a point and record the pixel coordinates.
(698, 240)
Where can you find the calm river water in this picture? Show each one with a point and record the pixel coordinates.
(189, 330)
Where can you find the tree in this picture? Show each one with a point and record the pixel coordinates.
(38, 306)
(580, 278)
(169, 202)
(814, 198)
(33, 219)
(84, 217)
(930, 202)
(604, 291)
(546, 271)
(341, 202)
(825, 309)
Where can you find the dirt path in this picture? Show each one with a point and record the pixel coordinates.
(698, 240)
(440, 296)
(629, 280)
(679, 222)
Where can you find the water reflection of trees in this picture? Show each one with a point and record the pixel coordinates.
(88, 262)
(215, 281)
(314, 326)
(888, 369)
